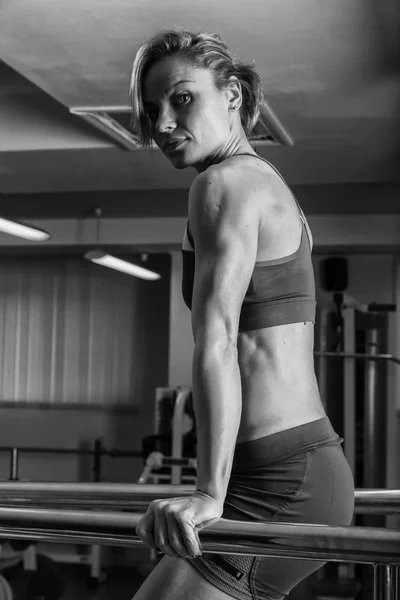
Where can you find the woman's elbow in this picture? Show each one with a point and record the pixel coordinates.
(215, 347)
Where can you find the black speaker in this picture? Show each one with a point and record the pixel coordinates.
(334, 274)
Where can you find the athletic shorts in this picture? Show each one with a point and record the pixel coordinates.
(299, 475)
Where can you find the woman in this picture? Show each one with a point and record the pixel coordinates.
(265, 448)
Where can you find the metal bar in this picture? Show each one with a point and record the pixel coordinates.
(377, 582)
(377, 501)
(386, 582)
(138, 496)
(316, 542)
(209, 543)
(14, 465)
(78, 451)
(389, 586)
(97, 459)
(374, 420)
(131, 504)
(155, 491)
(361, 355)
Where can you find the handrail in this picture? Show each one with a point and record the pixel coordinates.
(82, 489)
(377, 501)
(314, 542)
(360, 355)
(133, 496)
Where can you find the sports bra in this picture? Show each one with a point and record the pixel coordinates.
(281, 291)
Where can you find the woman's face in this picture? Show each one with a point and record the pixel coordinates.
(191, 120)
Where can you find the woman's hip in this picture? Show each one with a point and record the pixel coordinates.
(297, 475)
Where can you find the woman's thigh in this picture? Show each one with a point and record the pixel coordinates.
(176, 579)
(326, 497)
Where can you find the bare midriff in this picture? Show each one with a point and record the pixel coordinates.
(279, 386)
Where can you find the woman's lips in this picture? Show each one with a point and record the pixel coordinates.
(172, 146)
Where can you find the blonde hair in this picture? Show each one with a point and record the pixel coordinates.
(205, 50)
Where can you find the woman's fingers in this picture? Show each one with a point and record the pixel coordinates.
(182, 536)
(170, 527)
(162, 535)
(145, 529)
(190, 537)
(152, 530)
(175, 536)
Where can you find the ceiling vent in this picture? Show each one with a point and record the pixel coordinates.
(114, 121)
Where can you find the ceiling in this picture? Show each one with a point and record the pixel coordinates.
(329, 69)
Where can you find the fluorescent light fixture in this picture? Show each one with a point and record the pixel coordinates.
(106, 260)
(100, 119)
(23, 231)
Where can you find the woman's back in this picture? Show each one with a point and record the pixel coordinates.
(279, 388)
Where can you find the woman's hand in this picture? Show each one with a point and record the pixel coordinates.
(172, 525)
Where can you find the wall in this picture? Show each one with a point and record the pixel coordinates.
(77, 424)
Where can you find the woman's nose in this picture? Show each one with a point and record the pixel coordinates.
(166, 121)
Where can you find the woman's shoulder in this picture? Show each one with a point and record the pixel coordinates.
(238, 172)
(224, 185)
(246, 182)
(219, 191)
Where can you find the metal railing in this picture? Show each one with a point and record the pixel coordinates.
(315, 542)
(96, 453)
(136, 497)
(379, 547)
(376, 501)
(18, 520)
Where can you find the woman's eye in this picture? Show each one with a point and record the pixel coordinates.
(182, 99)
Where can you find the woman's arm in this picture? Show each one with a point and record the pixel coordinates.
(224, 224)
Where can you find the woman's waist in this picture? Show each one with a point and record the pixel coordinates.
(272, 408)
(285, 443)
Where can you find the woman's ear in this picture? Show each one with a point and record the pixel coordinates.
(234, 90)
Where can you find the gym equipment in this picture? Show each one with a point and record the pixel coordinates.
(376, 546)
(352, 367)
(156, 463)
(176, 445)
